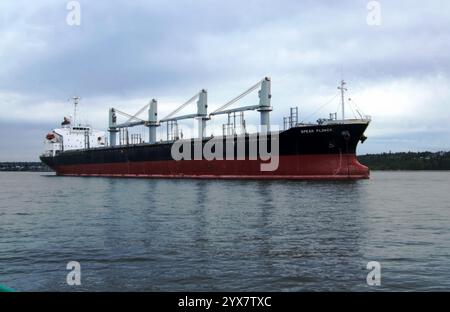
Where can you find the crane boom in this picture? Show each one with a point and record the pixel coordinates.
(240, 96)
(138, 113)
(181, 107)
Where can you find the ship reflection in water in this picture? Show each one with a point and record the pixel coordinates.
(194, 235)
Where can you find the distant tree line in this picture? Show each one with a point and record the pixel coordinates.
(407, 161)
(24, 166)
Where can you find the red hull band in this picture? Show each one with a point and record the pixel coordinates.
(296, 167)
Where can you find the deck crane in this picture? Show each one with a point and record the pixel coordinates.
(263, 107)
(201, 115)
(134, 120)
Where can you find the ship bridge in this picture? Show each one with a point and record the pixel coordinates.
(73, 137)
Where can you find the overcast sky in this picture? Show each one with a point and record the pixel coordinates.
(124, 53)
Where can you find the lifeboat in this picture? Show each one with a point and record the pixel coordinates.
(50, 136)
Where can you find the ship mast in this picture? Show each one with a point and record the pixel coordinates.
(343, 89)
(76, 100)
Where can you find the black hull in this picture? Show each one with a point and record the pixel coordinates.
(298, 144)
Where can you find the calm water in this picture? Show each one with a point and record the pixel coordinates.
(192, 235)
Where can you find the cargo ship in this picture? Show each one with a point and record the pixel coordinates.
(324, 150)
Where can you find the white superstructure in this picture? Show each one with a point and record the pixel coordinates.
(71, 137)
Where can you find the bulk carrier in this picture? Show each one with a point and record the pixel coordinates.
(322, 150)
